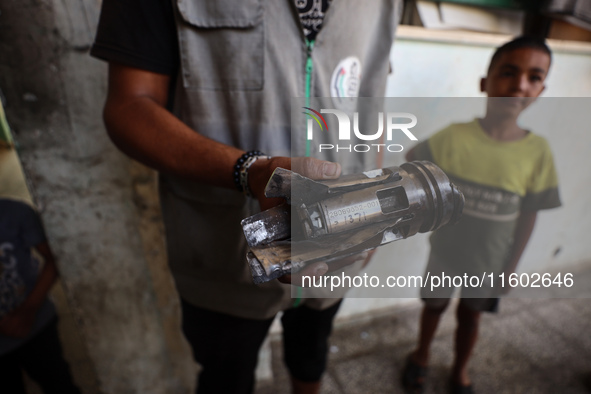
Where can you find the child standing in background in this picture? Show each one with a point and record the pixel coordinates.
(507, 174)
(28, 322)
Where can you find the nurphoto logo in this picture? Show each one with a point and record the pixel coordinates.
(395, 122)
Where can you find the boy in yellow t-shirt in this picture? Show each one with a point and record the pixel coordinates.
(507, 174)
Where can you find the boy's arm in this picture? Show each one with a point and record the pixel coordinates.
(523, 230)
(19, 322)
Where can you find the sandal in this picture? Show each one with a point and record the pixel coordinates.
(413, 377)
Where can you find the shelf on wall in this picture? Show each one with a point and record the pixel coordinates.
(507, 4)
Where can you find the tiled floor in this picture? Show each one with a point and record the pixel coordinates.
(530, 346)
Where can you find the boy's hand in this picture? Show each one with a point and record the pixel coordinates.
(18, 323)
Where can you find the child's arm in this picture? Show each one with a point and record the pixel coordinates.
(19, 322)
(523, 230)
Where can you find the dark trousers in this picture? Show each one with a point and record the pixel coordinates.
(41, 357)
(227, 347)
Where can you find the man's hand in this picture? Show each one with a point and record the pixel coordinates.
(260, 173)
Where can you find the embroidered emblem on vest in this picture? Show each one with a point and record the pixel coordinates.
(346, 78)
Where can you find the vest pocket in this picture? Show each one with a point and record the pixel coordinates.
(221, 44)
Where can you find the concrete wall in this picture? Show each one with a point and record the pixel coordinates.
(99, 209)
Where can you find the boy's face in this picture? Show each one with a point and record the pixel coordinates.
(520, 74)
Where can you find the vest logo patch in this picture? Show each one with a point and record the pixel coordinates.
(346, 79)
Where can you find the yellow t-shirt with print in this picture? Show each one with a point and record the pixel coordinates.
(499, 180)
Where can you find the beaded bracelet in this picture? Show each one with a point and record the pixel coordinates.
(241, 170)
